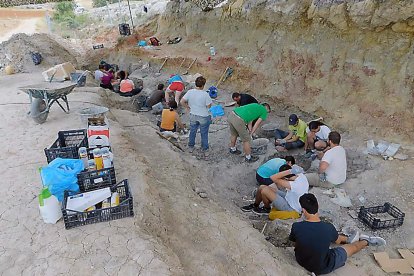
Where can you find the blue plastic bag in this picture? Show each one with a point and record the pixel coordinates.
(216, 111)
(61, 175)
(142, 43)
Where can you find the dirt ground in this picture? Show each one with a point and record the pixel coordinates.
(174, 230)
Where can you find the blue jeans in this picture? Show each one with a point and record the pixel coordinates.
(281, 134)
(204, 124)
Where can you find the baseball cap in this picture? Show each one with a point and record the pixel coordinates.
(293, 118)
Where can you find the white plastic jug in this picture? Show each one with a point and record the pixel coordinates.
(49, 207)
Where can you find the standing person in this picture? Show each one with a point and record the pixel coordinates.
(198, 102)
(99, 73)
(271, 167)
(241, 125)
(293, 139)
(156, 96)
(284, 196)
(332, 168)
(127, 86)
(176, 86)
(243, 99)
(312, 239)
(170, 118)
(317, 136)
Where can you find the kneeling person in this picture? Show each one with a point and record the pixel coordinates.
(271, 167)
(293, 183)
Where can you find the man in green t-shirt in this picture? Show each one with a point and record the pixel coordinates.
(295, 138)
(241, 125)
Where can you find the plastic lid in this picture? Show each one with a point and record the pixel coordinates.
(43, 195)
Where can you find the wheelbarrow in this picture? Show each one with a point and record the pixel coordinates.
(42, 96)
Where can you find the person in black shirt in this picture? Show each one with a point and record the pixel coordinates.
(313, 237)
(243, 99)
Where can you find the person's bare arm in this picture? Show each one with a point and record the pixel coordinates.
(184, 103)
(289, 136)
(280, 181)
(178, 120)
(323, 166)
(209, 105)
(256, 125)
(293, 138)
(250, 126)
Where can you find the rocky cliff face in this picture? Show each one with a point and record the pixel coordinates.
(349, 61)
(10, 3)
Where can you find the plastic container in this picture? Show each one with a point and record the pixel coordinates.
(368, 216)
(97, 156)
(124, 209)
(96, 179)
(106, 158)
(67, 145)
(93, 112)
(49, 207)
(91, 165)
(212, 51)
(115, 199)
(83, 155)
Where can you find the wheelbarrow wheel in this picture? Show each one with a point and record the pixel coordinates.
(38, 111)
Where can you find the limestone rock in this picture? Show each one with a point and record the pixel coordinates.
(361, 12)
(402, 27)
(337, 16)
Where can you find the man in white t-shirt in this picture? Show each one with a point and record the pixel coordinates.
(332, 168)
(291, 184)
(99, 73)
(197, 101)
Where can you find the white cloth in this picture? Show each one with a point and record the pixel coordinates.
(336, 171)
(198, 100)
(298, 187)
(98, 75)
(322, 134)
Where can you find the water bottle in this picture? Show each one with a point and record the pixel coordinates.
(83, 155)
(212, 51)
(97, 156)
(91, 165)
(106, 158)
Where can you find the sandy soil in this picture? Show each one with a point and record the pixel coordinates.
(13, 21)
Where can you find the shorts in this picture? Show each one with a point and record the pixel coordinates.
(263, 180)
(339, 255)
(176, 86)
(238, 127)
(280, 202)
(320, 140)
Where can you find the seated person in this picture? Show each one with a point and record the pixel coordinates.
(317, 136)
(243, 99)
(175, 86)
(99, 73)
(295, 138)
(126, 86)
(106, 80)
(170, 119)
(271, 167)
(312, 238)
(156, 96)
(290, 185)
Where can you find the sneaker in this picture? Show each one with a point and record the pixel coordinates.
(235, 151)
(374, 241)
(190, 149)
(252, 159)
(248, 208)
(353, 237)
(261, 210)
(206, 153)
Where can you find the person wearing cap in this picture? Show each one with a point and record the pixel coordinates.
(313, 237)
(176, 86)
(295, 138)
(290, 182)
(241, 125)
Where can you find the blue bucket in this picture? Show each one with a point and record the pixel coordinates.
(213, 92)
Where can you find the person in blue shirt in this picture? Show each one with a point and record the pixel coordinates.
(175, 87)
(271, 167)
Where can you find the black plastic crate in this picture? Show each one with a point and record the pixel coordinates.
(98, 179)
(125, 209)
(67, 144)
(367, 215)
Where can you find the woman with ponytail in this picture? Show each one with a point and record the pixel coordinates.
(170, 118)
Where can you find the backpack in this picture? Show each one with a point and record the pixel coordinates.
(154, 41)
(37, 58)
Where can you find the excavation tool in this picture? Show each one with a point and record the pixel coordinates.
(162, 65)
(189, 67)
